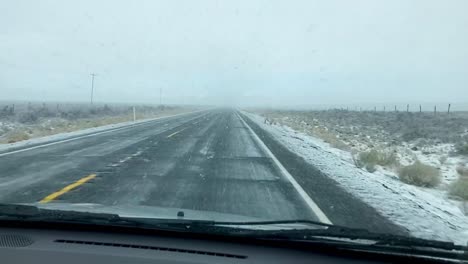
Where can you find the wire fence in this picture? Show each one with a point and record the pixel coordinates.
(408, 108)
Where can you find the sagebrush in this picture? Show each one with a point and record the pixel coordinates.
(17, 136)
(462, 148)
(420, 174)
(460, 186)
(462, 171)
(369, 159)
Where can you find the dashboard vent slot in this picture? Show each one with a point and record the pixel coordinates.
(7, 240)
(179, 250)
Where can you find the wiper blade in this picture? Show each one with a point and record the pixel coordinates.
(303, 233)
(335, 231)
(18, 210)
(379, 239)
(276, 222)
(30, 212)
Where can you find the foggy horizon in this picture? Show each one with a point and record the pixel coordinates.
(242, 53)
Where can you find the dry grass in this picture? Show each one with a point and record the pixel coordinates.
(17, 136)
(59, 125)
(387, 126)
(330, 138)
(420, 174)
(462, 148)
(462, 171)
(460, 186)
(316, 131)
(370, 159)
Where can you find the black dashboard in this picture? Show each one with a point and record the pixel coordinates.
(61, 245)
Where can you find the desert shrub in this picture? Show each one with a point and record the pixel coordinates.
(413, 134)
(7, 111)
(462, 148)
(420, 174)
(17, 136)
(74, 114)
(329, 138)
(339, 145)
(462, 171)
(28, 117)
(370, 159)
(460, 186)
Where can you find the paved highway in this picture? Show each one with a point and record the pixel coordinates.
(215, 160)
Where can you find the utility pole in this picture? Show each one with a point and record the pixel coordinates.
(160, 96)
(92, 86)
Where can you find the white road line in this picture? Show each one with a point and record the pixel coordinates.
(93, 134)
(313, 206)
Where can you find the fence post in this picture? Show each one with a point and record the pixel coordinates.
(420, 109)
(435, 109)
(395, 108)
(134, 114)
(375, 108)
(384, 108)
(448, 111)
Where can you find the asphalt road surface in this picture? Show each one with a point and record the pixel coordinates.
(215, 160)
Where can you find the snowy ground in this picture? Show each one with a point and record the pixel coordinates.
(426, 213)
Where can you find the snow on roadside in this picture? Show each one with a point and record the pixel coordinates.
(425, 213)
(83, 132)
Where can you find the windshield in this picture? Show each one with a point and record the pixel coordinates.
(345, 113)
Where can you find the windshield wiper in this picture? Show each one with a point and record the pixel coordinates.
(31, 213)
(337, 232)
(361, 239)
(297, 230)
(362, 234)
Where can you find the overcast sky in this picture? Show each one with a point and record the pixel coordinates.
(237, 52)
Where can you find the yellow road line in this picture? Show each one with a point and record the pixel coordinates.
(175, 133)
(68, 188)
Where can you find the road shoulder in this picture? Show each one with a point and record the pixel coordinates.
(340, 206)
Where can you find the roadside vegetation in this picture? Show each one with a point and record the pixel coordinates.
(419, 148)
(462, 148)
(22, 121)
(420, 174)
(370, 159)
(459, 188)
